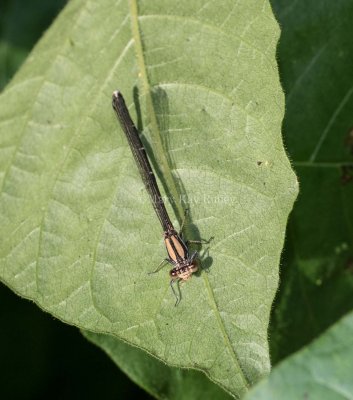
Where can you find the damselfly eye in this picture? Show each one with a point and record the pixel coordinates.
(173, 273)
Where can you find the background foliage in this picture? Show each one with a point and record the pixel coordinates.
(316, 60)
(316, 278)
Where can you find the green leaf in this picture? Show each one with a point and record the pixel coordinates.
(155, 377)
(322, 370)
(78, 234)
(317, 280)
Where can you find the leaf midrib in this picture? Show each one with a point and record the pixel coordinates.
(160, 152)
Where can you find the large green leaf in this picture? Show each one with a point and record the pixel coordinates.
(155, 377)
(316, 65)
(321, 371)
(78, 234)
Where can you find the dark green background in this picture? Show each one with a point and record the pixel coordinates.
(41, 357)
(316, 68)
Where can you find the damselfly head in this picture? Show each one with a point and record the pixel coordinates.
(183, 273)
(116, 93)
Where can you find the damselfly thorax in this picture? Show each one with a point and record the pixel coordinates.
(184, 265)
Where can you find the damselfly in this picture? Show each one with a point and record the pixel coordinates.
(183, 262)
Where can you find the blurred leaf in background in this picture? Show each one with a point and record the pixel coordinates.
(319, 371)
(316, 67)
